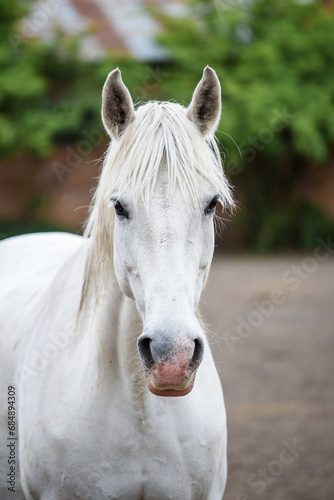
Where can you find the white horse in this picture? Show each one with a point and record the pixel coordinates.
(99, 335)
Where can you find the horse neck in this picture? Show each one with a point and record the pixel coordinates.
(112, 338)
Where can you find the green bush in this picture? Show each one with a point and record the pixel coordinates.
(48, 93)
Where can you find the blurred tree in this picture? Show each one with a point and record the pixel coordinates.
(276, 64)
(33, 99)
(48, 93)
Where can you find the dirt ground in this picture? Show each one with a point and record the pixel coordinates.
(271, 324)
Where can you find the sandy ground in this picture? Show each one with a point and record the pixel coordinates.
(271, 325)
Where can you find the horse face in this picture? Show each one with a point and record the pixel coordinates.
(162, 253)
(162, 257)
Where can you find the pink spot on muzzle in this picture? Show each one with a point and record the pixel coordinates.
(170, 375)
(171, 368)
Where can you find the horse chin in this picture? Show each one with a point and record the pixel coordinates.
(170, 392)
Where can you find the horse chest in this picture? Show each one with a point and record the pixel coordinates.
(161, 456)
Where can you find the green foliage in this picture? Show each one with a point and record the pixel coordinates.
(37, 81)
(48, 93)
(312, 225)
(269, 56)
(275, 61)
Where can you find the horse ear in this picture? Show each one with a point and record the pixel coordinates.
(205, 107)
(117, 105)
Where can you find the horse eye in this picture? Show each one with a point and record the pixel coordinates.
(212, 205)
(120, 210)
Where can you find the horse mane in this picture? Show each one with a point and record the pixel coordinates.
(159, 134)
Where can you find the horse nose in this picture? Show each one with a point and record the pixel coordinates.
(170, 362)
(185, 353)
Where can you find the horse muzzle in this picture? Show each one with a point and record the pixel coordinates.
(170, 363)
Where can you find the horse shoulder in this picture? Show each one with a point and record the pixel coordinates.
(27, 258)
(29, 265)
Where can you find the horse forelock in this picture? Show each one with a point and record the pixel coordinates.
(160, 134)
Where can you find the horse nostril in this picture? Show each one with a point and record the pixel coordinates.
(198, 354)
(144, 348)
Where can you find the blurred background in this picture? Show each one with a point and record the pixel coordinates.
(275, 63)
(271, 303)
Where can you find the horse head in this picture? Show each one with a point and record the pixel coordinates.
(165, 183)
